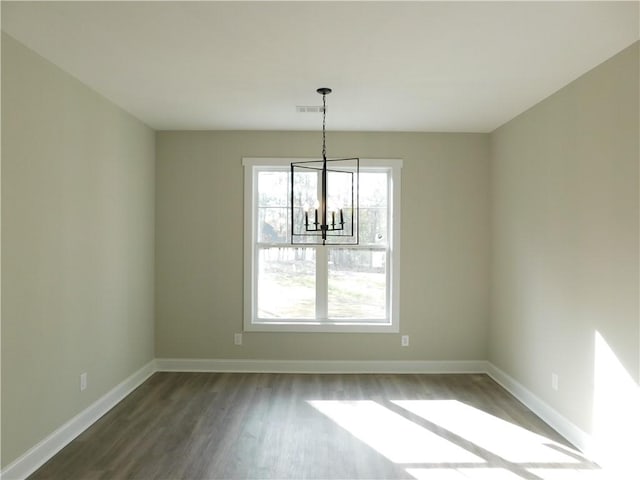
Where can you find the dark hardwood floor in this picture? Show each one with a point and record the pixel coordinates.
(310, 426)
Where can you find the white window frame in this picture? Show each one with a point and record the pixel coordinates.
(251, 166)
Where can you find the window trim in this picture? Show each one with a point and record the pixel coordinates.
(250, 284)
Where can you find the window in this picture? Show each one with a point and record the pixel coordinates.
(351, 288)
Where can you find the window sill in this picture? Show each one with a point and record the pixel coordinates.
(315, 327)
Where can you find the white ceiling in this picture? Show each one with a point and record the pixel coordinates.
(393, 66)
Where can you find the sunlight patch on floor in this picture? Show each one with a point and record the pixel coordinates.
(510, 442)
(397, 438)
(450, 440)
(462, 474)
(570, 474)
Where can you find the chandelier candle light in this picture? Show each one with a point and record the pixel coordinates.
(334, 193)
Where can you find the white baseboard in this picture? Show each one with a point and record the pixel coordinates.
(43, 451)
(36, 456)
(558, 422)
(319, 366)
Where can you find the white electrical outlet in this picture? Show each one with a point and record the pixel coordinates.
(405, 341)
(554, 381)
(237, 338)
(83, 381)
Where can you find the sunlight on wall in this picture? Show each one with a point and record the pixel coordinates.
(616, 412)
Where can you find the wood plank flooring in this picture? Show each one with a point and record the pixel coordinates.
(311, 426)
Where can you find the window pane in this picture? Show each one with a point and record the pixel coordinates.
(305, 199)
(273, 188)
(305, 188)
(273, 225)
(373, 226)
(357, 284)
(273, 220)
(286, 283)
(373, 189)
(373, 208)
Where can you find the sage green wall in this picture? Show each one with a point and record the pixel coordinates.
(565, 202)
(199, 246)
(77, 247)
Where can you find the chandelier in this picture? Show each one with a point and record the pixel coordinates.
(324, 196)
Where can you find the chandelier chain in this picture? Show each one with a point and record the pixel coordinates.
(324, 116)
